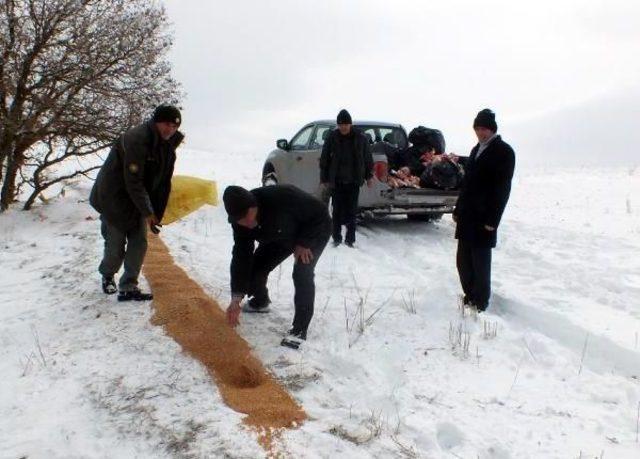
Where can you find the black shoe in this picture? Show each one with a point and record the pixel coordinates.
(134, 295)
(351, 245)
(109, 285)
(336, 242)
(293, 339)
(301, 334)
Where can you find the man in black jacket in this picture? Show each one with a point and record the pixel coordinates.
(345, 164)
(284, 220)
(483, 198)
(131, 193)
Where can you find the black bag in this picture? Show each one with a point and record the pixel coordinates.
(426, 137)
(442, 175)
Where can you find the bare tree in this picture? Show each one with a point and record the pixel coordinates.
(43, 166)
(73, 75)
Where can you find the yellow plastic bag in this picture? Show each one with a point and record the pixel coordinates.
(188, 194)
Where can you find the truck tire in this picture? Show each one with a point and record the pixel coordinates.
(269, 176)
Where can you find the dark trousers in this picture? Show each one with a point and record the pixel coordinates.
(265, 259)
(128, 247)
(344, 200)
(474, 269)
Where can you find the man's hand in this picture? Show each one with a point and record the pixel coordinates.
(303, 254)
(369, 182)
(489, 228)
(233, 313)
(455, 218)
(154, 224)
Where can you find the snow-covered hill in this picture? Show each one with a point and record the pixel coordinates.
(391, 367)
(596, 132)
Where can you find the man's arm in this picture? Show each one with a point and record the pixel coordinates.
(241, 263)
(368, 161)
(325, 160)
(135, 158)
(163, 199)
(161, 204)
(312, 217)
(463, 185)
(500, 189)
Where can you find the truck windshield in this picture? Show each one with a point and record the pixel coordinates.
(393, 135)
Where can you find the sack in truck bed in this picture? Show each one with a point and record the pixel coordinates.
(423, 136)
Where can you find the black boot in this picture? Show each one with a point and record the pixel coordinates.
(294, 339)
(134, 295)
(109, 285)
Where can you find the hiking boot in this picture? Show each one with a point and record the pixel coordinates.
(134, 295)
(293, 339)
(109, 285)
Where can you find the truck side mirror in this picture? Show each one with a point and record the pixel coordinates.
(283, 144)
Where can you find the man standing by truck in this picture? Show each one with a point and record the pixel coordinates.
(131, 193)
(345, 164)
(284, 220)
(481, 203)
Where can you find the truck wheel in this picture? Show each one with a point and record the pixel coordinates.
(423, 217)
(269, 179)
(269, 176)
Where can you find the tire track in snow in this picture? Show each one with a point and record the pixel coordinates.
(601, 355)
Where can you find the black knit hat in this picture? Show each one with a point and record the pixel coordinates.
(167, 114)
(486, 119)
(344, 117)
(237, 202)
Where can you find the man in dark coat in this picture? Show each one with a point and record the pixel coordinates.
(483, 197)
(284, 220)
(131, 193)
(345, 164)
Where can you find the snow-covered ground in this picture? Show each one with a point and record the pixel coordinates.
(391, 368)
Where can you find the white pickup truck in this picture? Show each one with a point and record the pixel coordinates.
(296, 162)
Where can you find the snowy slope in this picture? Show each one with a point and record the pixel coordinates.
(385, 372)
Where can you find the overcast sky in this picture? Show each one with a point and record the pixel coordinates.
(255, 71)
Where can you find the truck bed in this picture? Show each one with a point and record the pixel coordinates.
(384, 200)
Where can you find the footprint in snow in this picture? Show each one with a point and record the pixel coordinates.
(449, 436)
